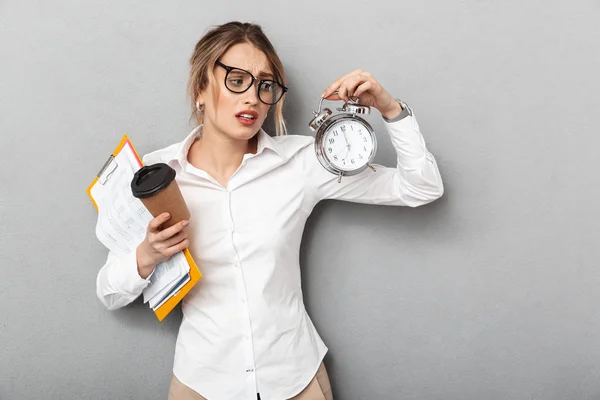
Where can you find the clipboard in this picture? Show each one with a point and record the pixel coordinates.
(195, 275)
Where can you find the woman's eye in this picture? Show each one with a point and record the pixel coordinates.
(236, 81)
(267, 87)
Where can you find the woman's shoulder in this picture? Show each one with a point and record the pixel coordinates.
(164, 154)
(294, 140)
(291, 145)
(173, 151)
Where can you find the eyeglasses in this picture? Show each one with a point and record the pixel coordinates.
(238, 80)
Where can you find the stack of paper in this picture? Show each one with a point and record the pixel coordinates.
(122, 223)
(166, 280)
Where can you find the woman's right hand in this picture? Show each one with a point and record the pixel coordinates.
(160, 244)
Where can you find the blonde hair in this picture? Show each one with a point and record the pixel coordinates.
(211, 48)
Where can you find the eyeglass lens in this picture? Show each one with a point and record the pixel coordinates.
(238, 81)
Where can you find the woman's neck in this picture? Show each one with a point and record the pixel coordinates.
(218, 154)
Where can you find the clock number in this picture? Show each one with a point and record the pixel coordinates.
(360, 156)
(343, 128)
(365, 148)
(330, 149)
(335, 158)
(335, 133)
(365, 139)
(352, 161)
(331, 140)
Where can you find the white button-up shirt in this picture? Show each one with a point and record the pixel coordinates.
(245, 329)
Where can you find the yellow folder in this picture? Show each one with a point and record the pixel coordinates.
(195, 275)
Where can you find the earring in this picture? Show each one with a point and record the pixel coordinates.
(199, 107)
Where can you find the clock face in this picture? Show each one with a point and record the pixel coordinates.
(348, 144)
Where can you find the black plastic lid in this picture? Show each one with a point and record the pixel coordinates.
(151, 179)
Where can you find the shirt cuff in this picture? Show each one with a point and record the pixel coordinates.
(135, 282)
(405, 113)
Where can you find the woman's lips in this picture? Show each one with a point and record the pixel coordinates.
(245, 121)
(247, 117)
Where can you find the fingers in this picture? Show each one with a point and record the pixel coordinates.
(163, 252)
(155, 224)
(335, 85)
(180, 246)
(348, 86)
(170, 241)
(368, 85)
(161, 244)
(182, 235)
(171, 231)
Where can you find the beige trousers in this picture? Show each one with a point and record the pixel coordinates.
(318, 389)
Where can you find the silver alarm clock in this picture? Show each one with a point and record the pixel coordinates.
(345, 144)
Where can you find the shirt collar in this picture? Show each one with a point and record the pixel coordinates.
(265, 142)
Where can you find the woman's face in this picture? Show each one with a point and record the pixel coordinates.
(237, 115)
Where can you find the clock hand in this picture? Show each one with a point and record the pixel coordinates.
(337, 153)
(347, 152)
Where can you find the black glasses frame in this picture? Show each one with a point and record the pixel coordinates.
(254, 79)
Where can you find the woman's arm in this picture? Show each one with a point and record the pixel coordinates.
(122, 280)
(119, 283)
(416, 179)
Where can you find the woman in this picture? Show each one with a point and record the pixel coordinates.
(245, 332)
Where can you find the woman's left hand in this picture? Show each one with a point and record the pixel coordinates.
(362, 86)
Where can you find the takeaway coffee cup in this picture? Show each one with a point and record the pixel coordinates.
(156, 187)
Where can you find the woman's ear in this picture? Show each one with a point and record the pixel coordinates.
(200, 103)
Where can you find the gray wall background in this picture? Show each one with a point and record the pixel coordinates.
(489, 293)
